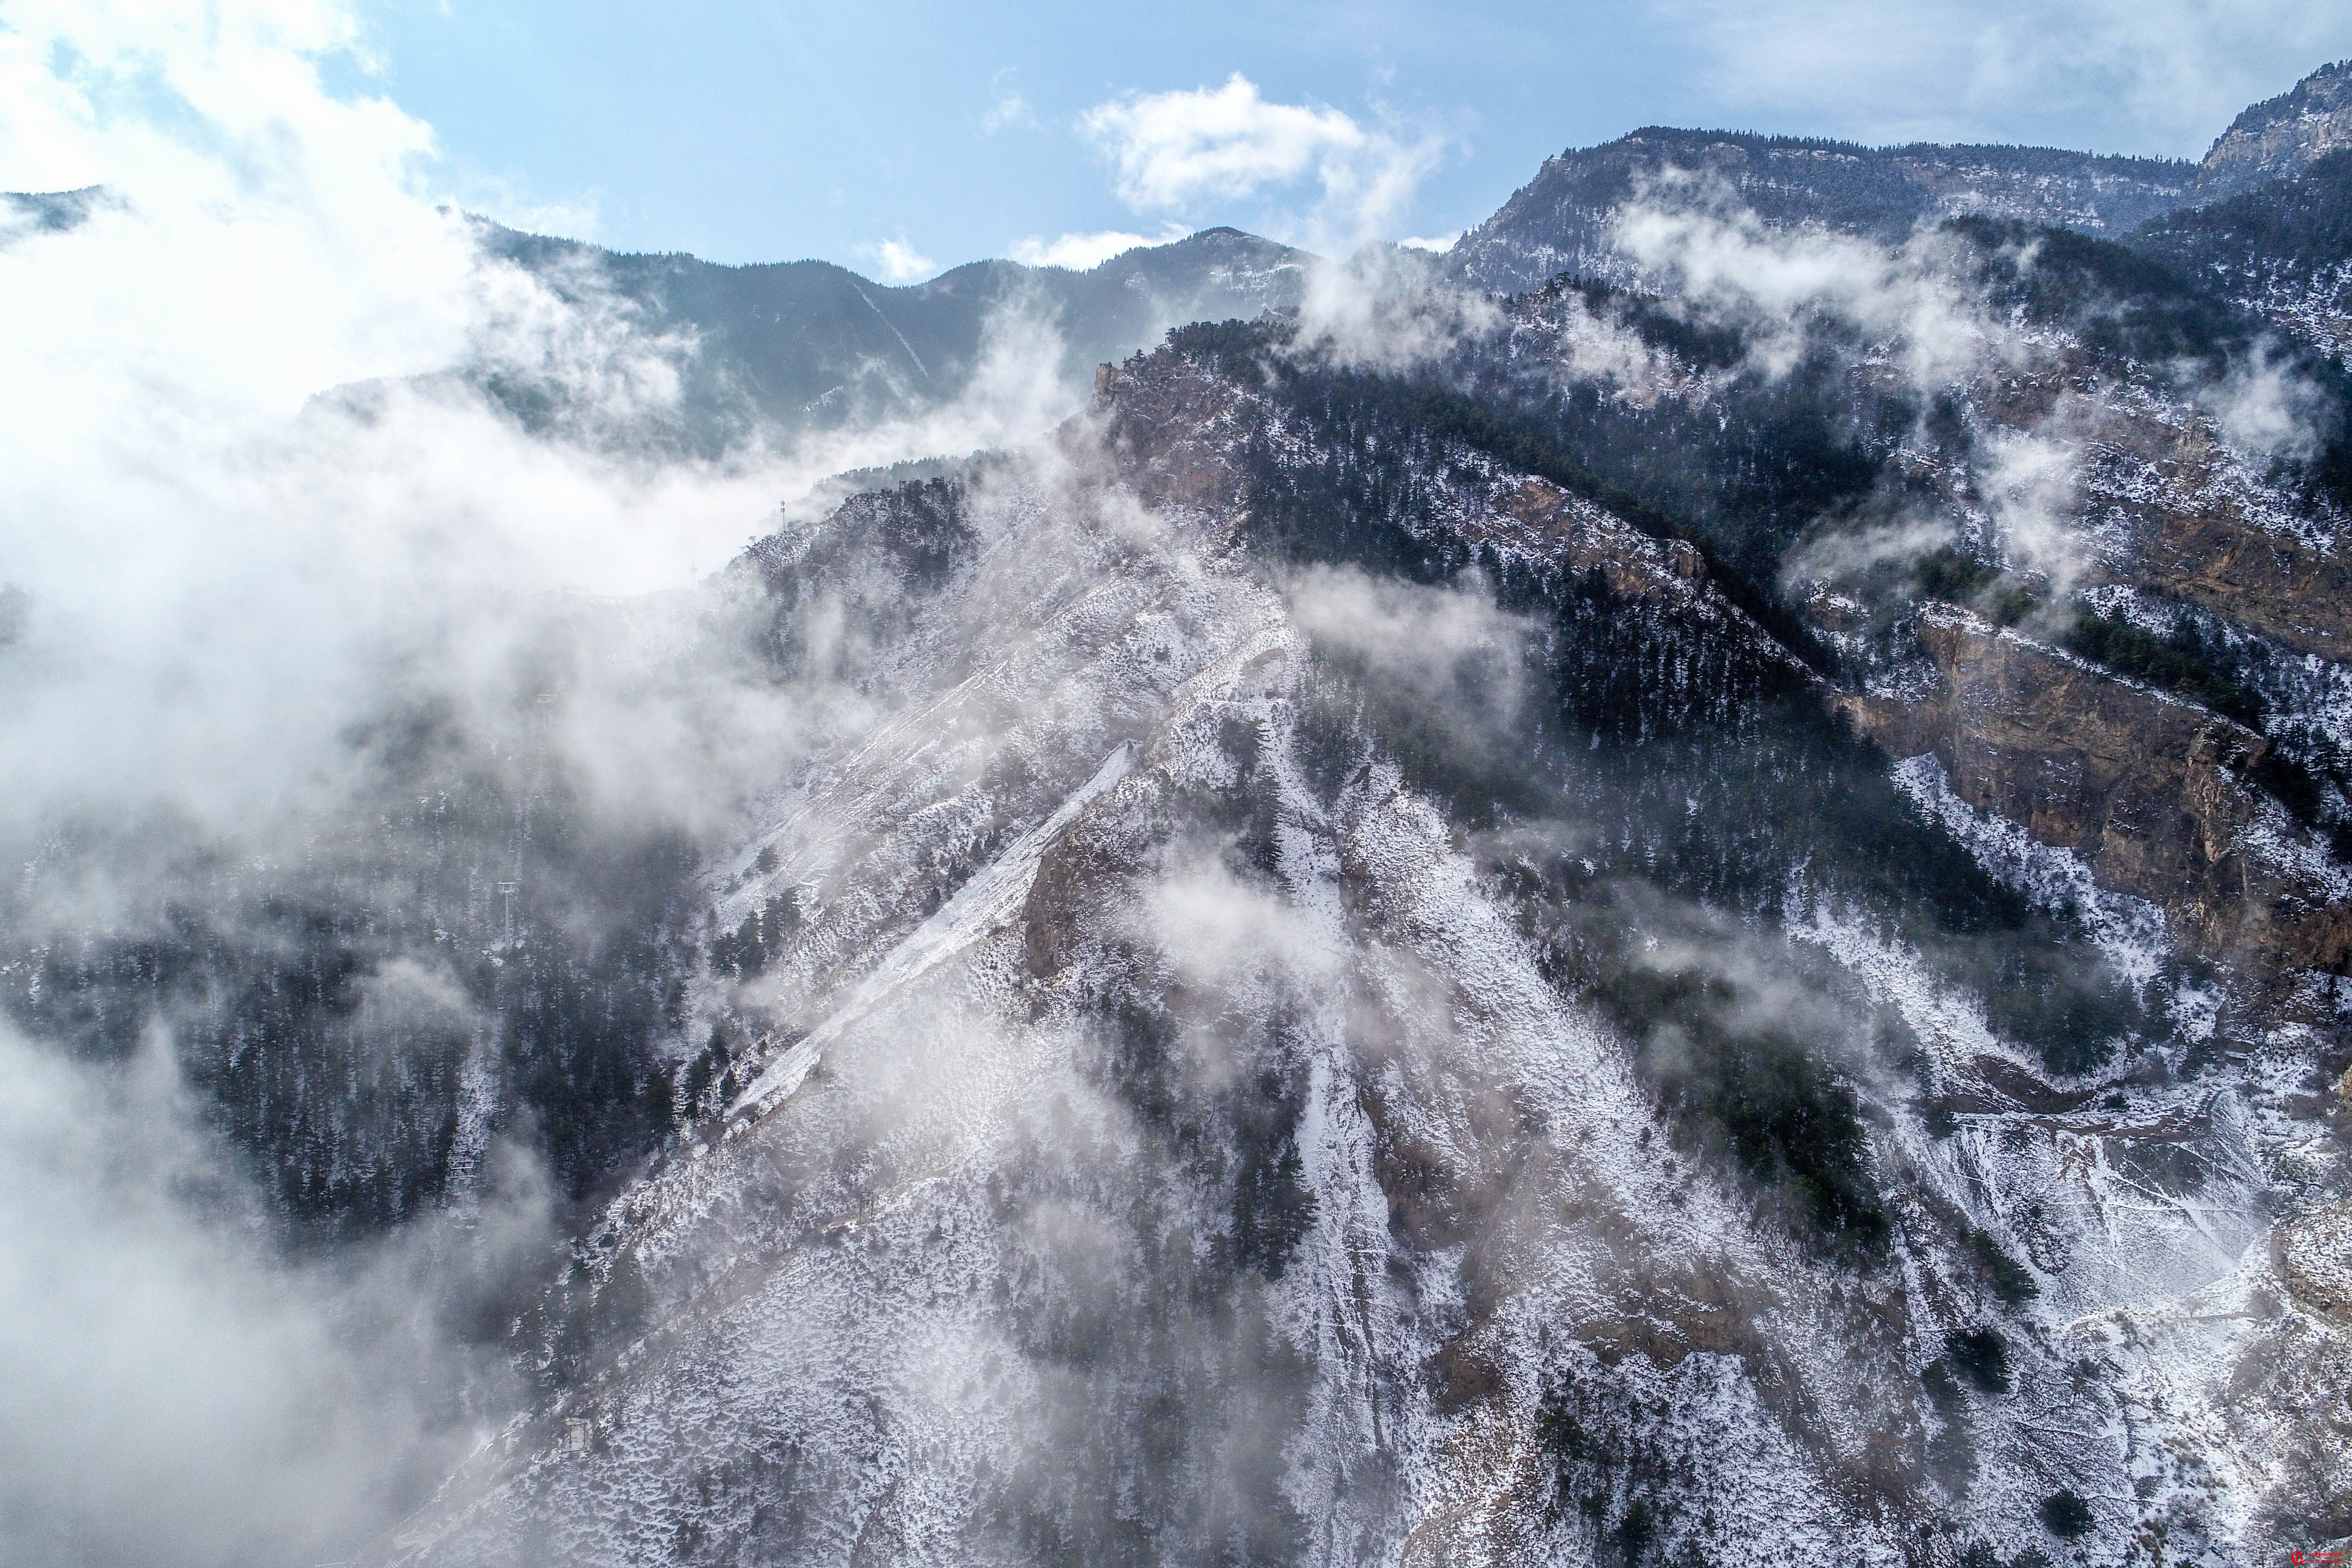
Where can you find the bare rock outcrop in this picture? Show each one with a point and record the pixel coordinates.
(2281, 135)
(2150, 791)
(2201, 531)
(2160, 502)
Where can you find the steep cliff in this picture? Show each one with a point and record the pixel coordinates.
(2281, 136)
(2152, 793)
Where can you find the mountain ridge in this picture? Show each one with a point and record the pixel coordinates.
(2280, 135)
(803, 345)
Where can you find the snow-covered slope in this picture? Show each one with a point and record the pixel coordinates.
(1216, 1169)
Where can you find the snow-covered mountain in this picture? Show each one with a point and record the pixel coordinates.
(1687, 897)
(1359, 1025)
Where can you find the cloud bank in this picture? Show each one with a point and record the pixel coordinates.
(177, 1394)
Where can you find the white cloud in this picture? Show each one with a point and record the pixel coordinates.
(2265, 409)
(1180, 151)
(2167, 74)
(1007, 107)
(1009, 110)
(1452, 648)
(1373, 309)
(1172, 149)
(1439, 243)
(900, 262)
(2031, 483)
(175, 1393)
(1216, 929)
(1079, 252)
(1722, 256)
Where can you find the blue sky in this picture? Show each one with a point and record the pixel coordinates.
(896, 138)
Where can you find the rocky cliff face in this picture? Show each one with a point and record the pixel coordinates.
(2281, 135)
(2198, 532)
(2152, 793)
(2075, 477)
(2158, 497)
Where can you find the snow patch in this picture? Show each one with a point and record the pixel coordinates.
(2133, 934)
(978, 907)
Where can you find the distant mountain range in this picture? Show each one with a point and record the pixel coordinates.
(808, 345)
(802, 345)
(1561, 221)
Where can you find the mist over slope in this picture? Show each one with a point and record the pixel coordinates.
(1696, 911)
(1562, 221)
(808, 345)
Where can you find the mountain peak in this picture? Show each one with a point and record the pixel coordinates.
(2283, 134)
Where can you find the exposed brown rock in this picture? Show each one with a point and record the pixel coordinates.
(2198, 537)
(1071, 876)
(2149, 790)
(2281, 135)
(2273, 585)
(2174, 512)
(2314, 1259)
(1565, 530)
(1172, 424)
